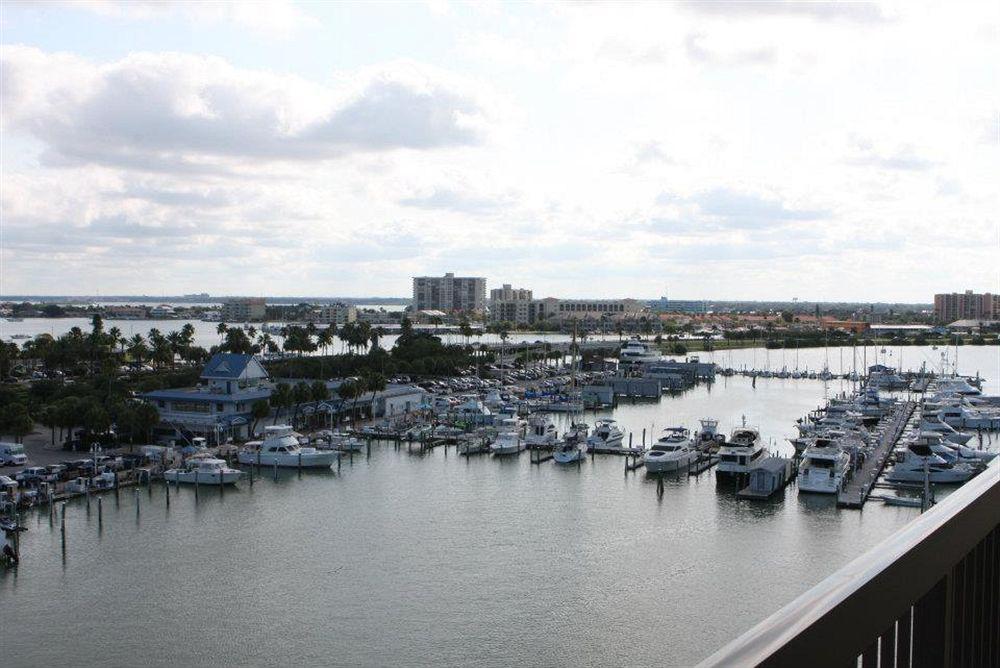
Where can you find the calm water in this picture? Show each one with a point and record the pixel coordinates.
(440, 560)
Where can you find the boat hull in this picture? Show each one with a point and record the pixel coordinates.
(202, 478)
(568, 457)
(317, 460)
(667, 465)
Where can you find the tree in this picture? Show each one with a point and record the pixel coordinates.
(347, 391)
(374, 383)
(146, 417)
(138, 350)
(281, 398)
(301, 393)
(16, 421)
(465, 329)
(258, 411)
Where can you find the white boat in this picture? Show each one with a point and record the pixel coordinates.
(507, 443)
(708, 436)
(918, 461)
(541, 431)
(737, 454)
(672, 452)
(578, 432)
(825, 467)
(637, 352)
(568, 452)
(931, 423)
(606, 434)
(280, 447)
(203, 471)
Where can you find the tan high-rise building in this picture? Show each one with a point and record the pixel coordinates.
(449, 293)
(966, 306)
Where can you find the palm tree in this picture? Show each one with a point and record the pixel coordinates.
(281, 398)
(374, 383)
(137, 349)
(221, 330)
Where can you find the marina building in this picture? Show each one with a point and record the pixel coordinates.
(218, 408)
(449, 293)
(244, 309)
(966, 306)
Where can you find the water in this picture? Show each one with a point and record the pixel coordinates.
(440, 560)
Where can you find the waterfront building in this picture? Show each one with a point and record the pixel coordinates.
(125, 312)
(449, 293)
(509, 294)
(218, 408)
(966, 306)
(550, 309)
(162, 311)
(339, 314)
(244, 309)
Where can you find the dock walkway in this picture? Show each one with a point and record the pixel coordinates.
(859, 487)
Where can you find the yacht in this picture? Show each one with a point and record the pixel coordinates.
(932, 423)
(825, 467)
(918, 461)
(280, 447)
(578, 433)
(952, 452)
(541, 432)
(510, 437)
(637, 352)
(569, 451)
(606, 434)
(203, 471)
(737, 454)
(672, 452)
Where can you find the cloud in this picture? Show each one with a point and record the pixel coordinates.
(904, 158)
(453, 200)
(724, 208)
(698, 52)
(183, 113)
(653, 151)
(858, 12)
(269, 18)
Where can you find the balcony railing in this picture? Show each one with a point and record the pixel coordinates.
(929, 595)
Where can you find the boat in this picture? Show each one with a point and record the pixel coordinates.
(541, 432)
(280, 447)
(509, 438)
(672, 452)
(918, 462)
(578, 432)
(568, 452)
(203, 471)
(708, 437)
(825, 467)
(932, 423)
(637, 352)
(606, 434)
(738, 453)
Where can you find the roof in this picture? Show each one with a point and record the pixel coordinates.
(771, 464)
(974, 323)
(230, 366)
(192, 394)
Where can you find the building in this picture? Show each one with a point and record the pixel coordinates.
(244, 309)
(529, 312)
(509, 294)
(966, 306)
(338, 314)
(126, 312)
(162, 311)
(449, 293)
(219, 407)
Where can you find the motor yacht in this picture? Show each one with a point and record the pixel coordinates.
(738, 454)
(919, 461)
(541, 431)
(578, 433)
(607, 434)
(569, 451)
(932, 422)
(672, 452)
(203, 471)
(280, 447)
(637, 352)
(509, 438)
(825, 467)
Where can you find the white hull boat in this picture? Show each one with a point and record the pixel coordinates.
(204, 472)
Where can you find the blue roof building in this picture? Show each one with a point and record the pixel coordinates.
(219, 407)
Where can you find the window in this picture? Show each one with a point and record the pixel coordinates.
(219, 408)
(192, 407)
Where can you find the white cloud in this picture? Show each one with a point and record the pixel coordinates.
(179, 112)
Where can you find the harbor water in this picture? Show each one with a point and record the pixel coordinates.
(439, 559)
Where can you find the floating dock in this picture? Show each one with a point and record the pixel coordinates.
(862, 482)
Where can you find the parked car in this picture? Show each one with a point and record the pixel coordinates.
(32, 475)
(12, 454)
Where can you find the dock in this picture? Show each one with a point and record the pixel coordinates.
(703, 464)
(857, 490)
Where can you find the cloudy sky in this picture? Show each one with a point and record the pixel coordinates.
(729, 150)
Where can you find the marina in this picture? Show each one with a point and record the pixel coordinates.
(474, 513)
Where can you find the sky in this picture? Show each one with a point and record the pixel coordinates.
(717, 150)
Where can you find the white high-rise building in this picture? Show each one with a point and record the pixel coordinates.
(449, 293)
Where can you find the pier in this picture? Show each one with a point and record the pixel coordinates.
(859, 487)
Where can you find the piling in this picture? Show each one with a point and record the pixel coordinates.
(135, 494)
(100, 513)
(62, 529)
(167, 485)
(300, 463)
(275, 470)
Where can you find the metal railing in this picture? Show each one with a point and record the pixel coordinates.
(929, 595)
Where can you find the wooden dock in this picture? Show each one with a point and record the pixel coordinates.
(862, 482)
(703, 464)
